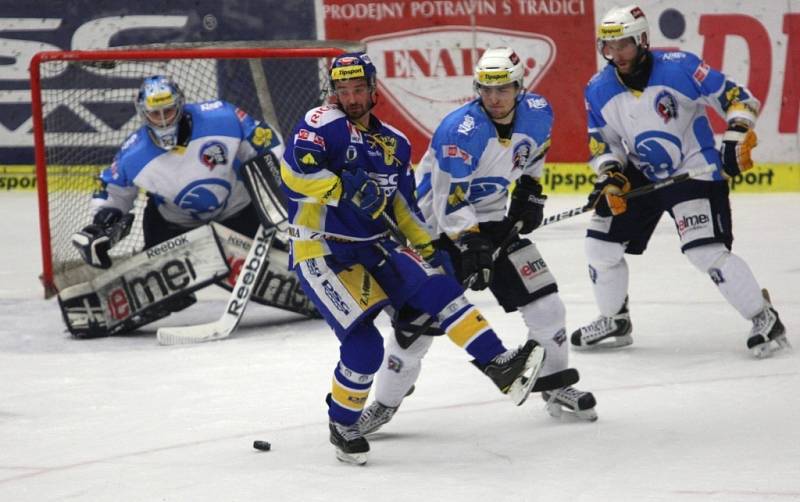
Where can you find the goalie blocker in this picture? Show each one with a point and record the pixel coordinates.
(159, 281)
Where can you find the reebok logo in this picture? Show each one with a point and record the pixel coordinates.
(250, 271)
(167, 246)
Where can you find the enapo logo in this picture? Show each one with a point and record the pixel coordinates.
(426, 73)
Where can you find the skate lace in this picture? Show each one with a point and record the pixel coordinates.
(600, 326)
(762, 322)
(505, 357)
(376, 414)
(569, 395)
(348, 432)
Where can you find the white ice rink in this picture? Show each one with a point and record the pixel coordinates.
(685, 413)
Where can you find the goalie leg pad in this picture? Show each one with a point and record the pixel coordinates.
(145, 288)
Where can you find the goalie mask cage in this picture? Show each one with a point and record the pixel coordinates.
(83, 110)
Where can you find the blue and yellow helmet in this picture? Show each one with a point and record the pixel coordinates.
(160, 104)
(352, 65)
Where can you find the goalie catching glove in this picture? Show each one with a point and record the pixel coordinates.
(607, 196)
(737, 145)
(108, 227)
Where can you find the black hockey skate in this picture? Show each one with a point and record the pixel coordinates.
(351, 446)
(605, 332)
(767, 328)
(572, 401)
(515, 371)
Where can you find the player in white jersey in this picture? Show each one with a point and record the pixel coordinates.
(477, 154)
(188, 158)
(647, 121)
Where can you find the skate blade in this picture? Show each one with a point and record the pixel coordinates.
(351, 458)
(520, 389)
(558, 411)
(766, 350)
(611, 342)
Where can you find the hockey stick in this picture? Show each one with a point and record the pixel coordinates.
(636, 192)
(252, 269)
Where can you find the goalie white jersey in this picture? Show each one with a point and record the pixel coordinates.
(663, 130)
(197, 181)
(466, 174)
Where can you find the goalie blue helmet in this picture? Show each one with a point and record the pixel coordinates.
(352, 65)
(160, 104)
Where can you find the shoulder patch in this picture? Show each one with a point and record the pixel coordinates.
(318, 117)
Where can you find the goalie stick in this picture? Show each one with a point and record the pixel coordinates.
(636, 192)
(262, 179)
(253, 268)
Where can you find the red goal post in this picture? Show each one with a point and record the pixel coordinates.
(83, 110)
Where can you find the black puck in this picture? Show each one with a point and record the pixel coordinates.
(262, 445)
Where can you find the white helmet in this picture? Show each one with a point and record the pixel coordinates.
(497, 67)
(623, 22)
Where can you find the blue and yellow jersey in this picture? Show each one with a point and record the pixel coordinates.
(323, 145)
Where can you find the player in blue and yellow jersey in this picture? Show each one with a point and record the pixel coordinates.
(482, 151)
(647, 121)
(348, 178)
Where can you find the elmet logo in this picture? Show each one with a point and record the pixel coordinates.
(689, 222)
(531, 268)
(426, 73)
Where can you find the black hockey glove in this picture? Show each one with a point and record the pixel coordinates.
(477, 265)
(606, 197)
(94, 241)
(737, 144)
(363, 193)
(527, 204)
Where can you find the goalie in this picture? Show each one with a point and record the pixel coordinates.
(197, 163)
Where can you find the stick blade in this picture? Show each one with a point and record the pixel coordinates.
(181, 335)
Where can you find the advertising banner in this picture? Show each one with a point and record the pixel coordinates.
(425, 52)
(41, 25)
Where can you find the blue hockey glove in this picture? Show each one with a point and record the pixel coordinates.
(477, 265)
(441, 258)
(737, 145)
(94, 241)
(527, 204)
(363, 193)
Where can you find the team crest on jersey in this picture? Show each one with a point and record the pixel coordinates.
(522, 154)
(387, 145)
(213, 154)
(204, 198)
(666, 106)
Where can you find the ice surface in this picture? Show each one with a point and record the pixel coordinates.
(685, 413)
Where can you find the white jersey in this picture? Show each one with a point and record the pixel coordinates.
(198, 181)
(464, 177)
(663, 130)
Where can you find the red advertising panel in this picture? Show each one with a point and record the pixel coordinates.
(425, 52)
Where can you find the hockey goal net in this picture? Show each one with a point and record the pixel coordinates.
(83, 110)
